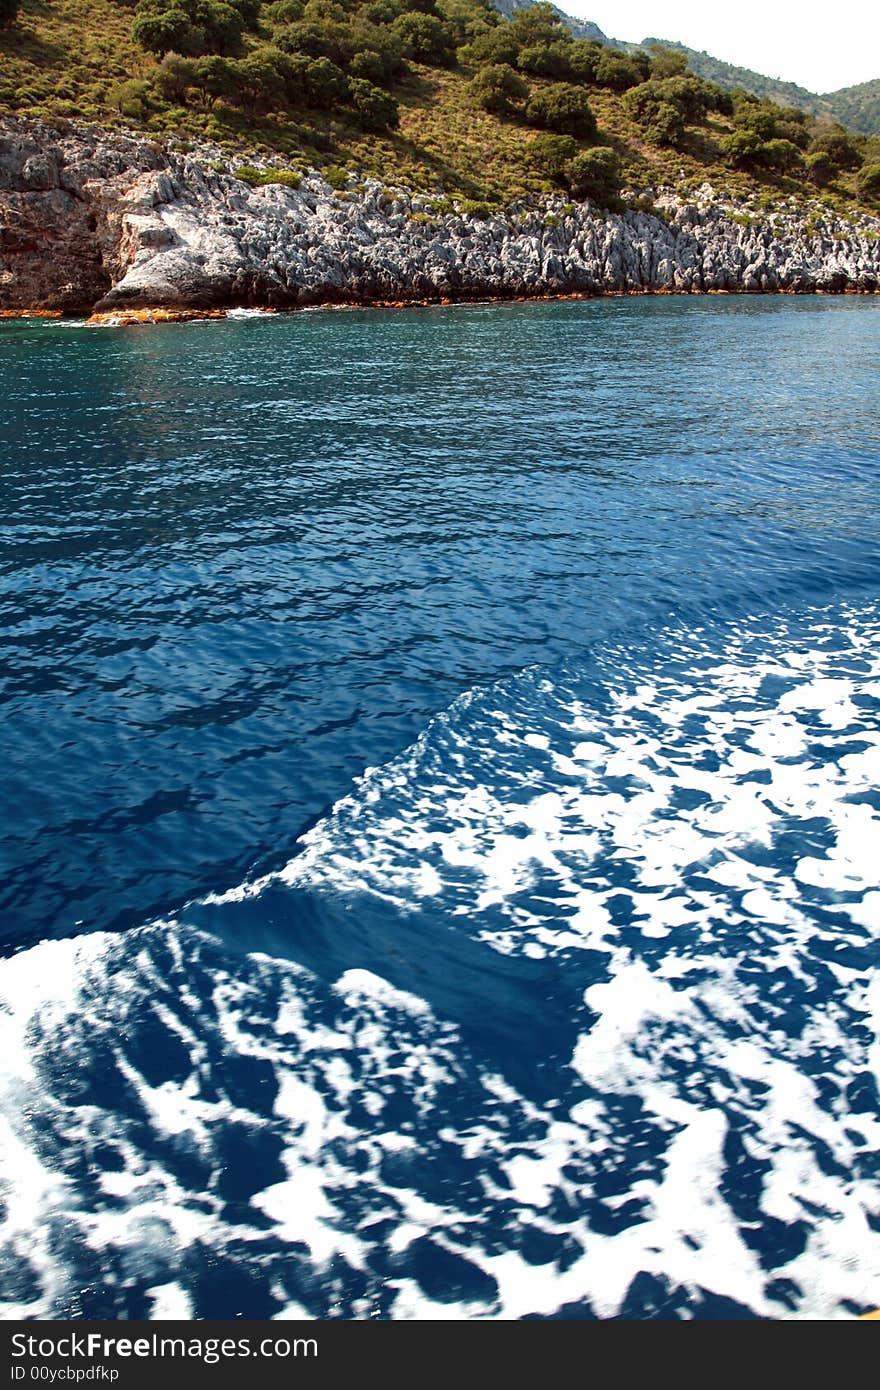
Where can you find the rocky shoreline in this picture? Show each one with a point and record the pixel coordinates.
(93, 221)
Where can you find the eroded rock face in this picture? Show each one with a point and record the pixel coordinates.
(90, 219)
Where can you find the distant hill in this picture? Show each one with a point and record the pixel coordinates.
(858, 108)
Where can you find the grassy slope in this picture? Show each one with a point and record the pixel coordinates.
(66, 55)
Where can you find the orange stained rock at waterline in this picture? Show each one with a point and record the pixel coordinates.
(131, 318)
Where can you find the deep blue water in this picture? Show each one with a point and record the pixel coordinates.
(441, 770)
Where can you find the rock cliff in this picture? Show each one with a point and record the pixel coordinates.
(91, 219)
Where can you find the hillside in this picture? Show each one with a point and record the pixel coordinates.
(448, 98)
(858, 108)
(730, 76)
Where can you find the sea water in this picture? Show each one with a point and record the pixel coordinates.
(441, 813)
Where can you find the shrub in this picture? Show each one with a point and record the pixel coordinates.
(165, 32)
(545, 60)
(779, 154)
(130, 98)
(617, 70)
(667, 62)
(595, 174)
(174, 76)
(742, 149)
(563, 108)
(868, 182)
(540, 23)
(426, 39)
(259, 178)
(666, 125)
(498, 89)
(215, 77)
(470, 207)
(583, 54)
(550, 154)
(499, 45)
(838, 146)
(376, 110)
(821, 169)
(336, 176)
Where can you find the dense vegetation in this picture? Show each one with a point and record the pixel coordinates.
(857, 108)
(446, 95)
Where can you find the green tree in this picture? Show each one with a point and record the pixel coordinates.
(550, 154)
(665, 126)
(498, 89)
(305, 36)
(499, 45)
(868, 182)
(376, 110)
(742, 149)
(540, 23)
(261, 79)
(667, 62)
(215, 78)
(382, 11)
(174, 76)
(130, 98)
(545, 60)
(769, 121)
(616, 70)
(779, 154)
(282, 12)
(583, 55)
(316, 83)
(384, 48)
(222, 25)
(821, 169)
(840, 148)
(164, 32)
(563, 108)
(426, 39)
(595, 174)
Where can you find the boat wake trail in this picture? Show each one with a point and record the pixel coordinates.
(572, 1010)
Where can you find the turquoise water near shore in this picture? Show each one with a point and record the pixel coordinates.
(440, 763)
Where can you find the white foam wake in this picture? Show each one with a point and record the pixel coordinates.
(691, 829)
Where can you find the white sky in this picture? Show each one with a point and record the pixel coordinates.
(821, 46)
